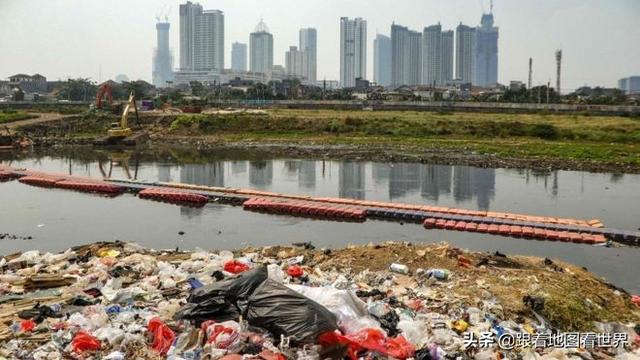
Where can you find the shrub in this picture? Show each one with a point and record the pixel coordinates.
(544, 131)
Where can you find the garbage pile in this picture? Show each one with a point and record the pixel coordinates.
(121, 301)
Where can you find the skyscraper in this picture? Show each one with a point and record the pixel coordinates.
(432, 55)
(437, 54)
(189, 13)
(406, 56)
(308, 44)
(261, 49)
(209, 44)
(465, 43)
(486, 52)
(446, 57)
(239, 56)
(162, 59)
(295, 62)
(201, 38)
(353, 50)
(414, 56)
(382, 60)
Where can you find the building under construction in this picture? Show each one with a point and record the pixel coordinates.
(162, 58)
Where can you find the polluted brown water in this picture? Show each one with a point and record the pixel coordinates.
(57, 219)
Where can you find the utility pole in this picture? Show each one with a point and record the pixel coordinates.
(530, 76)
(558, 69)
(530, 72)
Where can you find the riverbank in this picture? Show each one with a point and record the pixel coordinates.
(109, 293)
(537, 141)
(7, 116)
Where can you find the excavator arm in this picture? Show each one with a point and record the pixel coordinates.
(104, 90)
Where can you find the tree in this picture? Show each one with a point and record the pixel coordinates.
(78, 90)
(140, 88)
(260, 91)
(197, 89)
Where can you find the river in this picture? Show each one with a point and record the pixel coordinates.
(57, 219)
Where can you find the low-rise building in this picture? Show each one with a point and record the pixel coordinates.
(29, 83)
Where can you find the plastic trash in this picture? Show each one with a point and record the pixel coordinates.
(389, 322)
(27, 325)
(282, 311)
(296, 260)
(438, 274)
(235, 267)
(83, 341)
(116, 355)
(295, 271)
(413, 330)
(218, 300)
(194, 283)
(111, 335)
(370, 339)
(275, 273)
(163, 337)
(351, 312)
(459, 326)
(108, 253)
(225, 335)
(399, 268)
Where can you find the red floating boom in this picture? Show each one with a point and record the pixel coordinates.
(173, 196)
(91, 187)
(38, 181)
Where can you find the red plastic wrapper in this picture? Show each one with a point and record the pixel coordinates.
(235, 267)
(163, 337)
(370, 339)
(27, 325)
(222, 336)
(83, 341)
(295, 271)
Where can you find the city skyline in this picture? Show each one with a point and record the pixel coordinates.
(570, 25)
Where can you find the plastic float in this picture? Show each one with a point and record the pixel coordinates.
(89, 187)
(173, 196)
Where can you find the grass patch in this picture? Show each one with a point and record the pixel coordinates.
(572, 127)
(7, 116)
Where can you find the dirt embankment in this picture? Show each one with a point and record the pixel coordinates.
(286, 138)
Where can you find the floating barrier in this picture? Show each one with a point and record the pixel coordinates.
(306, 209)
(39, 181)
(173, 196)
(495, 223)
(90, 187)
(515, 231)
(7, 176)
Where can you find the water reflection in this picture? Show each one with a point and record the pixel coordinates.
(260, 173)
(444, 185)
(307, 175)
(351, 180)
(211, 174)
(436, 180)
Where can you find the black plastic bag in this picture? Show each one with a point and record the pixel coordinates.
(264, 303)
(282, 311)
(389, 322)
(219, 301)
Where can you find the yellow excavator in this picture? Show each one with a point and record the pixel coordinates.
(120, 133)
(121, 129)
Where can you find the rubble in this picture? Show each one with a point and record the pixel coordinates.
(392, 300)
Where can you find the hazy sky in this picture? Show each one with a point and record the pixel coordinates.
(60, 38)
